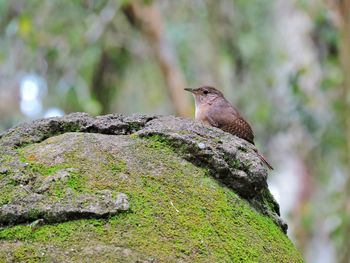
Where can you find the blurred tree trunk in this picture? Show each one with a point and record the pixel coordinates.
(107, 72)
(343, 10)
(147, 16)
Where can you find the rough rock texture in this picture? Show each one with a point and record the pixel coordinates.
(137, 188)
(37, 206)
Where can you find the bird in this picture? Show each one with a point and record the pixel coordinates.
(213, 109)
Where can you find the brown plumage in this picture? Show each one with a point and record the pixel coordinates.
(213, 109)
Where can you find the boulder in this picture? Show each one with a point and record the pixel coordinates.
(135, 189)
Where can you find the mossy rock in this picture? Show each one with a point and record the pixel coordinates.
(135, 189)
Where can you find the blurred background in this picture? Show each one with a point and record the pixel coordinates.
(284, 63)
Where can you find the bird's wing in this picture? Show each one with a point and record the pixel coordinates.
(239, 127)
(212, 122)
(230, 121)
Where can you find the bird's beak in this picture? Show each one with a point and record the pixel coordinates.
(190, 90)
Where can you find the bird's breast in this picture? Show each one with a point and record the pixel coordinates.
(201, 114)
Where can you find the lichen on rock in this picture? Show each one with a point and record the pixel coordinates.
(143, 188)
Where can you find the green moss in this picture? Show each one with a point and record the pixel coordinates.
(26, 253)
(12, 182)
(269, 201)
(35, 167)
(76, 182)
(159, 142)
(45, 170)
(242, 149)
(33, 214)
(19, 232)
(235, 163)
(134, 136)
(70, 127)
(58, 191)
(6, 158)
(5, 162)
(134, 126)
(177, 213)
(118, 166)
(211, 224)
(21, 154)
(6, 195)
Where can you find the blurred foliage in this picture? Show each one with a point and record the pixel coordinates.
(277, 61)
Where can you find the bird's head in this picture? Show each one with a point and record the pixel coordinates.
(205, 94)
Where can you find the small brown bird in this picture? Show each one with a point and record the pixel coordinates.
(213, 109)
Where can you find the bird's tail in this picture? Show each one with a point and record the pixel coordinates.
(262, 158)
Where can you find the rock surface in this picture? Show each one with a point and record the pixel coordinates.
(139, 188)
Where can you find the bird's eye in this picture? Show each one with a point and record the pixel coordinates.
(205, 92)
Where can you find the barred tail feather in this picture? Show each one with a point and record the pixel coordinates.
(262, 158)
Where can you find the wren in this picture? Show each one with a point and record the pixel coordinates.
(213, 109)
